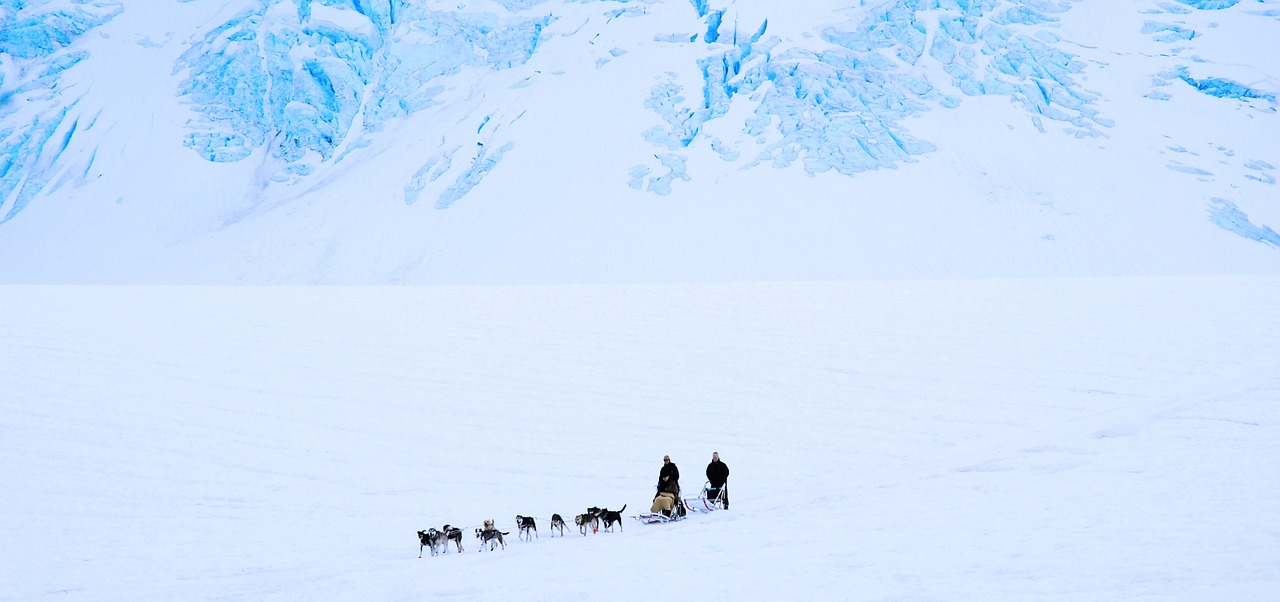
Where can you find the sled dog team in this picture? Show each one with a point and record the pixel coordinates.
(668, 492)
(437, 540)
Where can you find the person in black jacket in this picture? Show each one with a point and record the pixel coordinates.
(669, 477)
(718, 476)
(666, 500)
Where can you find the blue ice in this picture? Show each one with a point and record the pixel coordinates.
(1169, 32)
(1223, 88)
(37, 36)
(1195, 171)
(1263, 168)
(1210, 4)
(843, 109)
(308, 92)
(1226, 215)
(675, 165)
(250, 91)
(480, 167)
(713, 26)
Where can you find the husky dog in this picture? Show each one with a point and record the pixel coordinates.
(430, 539)
(589, 520)
(557, 523)
(612, 516)
(453, 534)
(491, 536)
(528, 528)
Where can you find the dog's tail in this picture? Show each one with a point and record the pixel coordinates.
(624, 508)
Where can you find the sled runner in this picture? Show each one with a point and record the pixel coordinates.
(680, 511)
(650, 518)
(712, 498)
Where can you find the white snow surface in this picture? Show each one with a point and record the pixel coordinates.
(1036, 439)
(976, 299)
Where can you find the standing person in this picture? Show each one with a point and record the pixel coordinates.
(669, 477)
(668, 488)
(718, 477)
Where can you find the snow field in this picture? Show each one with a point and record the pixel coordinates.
(1075, 439)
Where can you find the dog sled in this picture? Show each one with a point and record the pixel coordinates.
(712, 498)
(650, 518)
(709, 500)
(679, 510)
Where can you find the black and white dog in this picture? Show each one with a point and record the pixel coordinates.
(491, 536)
(453, 534)
(528, 527)
(610, 517)
(557, 523)
(430, 539)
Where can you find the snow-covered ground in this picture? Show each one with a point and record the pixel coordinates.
(1052, 439)
(1013, 337)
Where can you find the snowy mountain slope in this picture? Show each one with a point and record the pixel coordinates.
(586, 141)
(1076, 439)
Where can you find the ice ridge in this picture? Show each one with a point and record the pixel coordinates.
(308, 82)
(1226, 215)
(36, 39)
(844, 109)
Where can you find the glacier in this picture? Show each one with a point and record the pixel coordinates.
(302, 92)
(843, 109)
(304, 79)
(37, 41)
